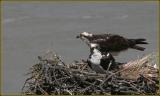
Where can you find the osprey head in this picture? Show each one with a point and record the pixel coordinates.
(84, 34)
(94, 46)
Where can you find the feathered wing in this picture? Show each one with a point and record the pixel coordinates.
(112, 42)
(107, 61)
(89, 63)
(115, 43)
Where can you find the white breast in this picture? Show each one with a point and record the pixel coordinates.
(96, 57)
(95, 61)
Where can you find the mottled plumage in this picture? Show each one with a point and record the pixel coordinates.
(112, 42)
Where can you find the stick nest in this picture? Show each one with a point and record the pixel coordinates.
(51, 76)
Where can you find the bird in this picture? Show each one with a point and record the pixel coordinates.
(99, 62)
(112, 43)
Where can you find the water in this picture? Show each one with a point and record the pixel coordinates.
(30, 29)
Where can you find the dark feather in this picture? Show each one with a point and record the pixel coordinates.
(106, 59)
(115, 43)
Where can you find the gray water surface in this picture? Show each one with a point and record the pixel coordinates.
(30, 29)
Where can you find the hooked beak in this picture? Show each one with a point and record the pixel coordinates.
(78, 36)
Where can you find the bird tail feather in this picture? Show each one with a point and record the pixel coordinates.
(141, 41)
(138, 48)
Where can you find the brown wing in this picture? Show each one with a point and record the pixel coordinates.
(112, 42)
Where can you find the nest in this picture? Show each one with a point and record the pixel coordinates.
(51, 76)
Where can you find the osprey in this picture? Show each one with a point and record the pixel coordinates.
(100, 62)
(111, 42)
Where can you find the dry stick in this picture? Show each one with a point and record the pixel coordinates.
(55, 75)
(36, 83)
(64, 71)
(149, 79)
(36, 78)
(25, 83)
(41, 89)
(68, 91)
(58, 67)
(83, 67)
(83, 90)
(62, 78)
(87, 73)
(96, 76)
(90, 85)
(132, 86)
(60, 60)
(112, 75)
(50, 77)
(109, 66)
(130, 92)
